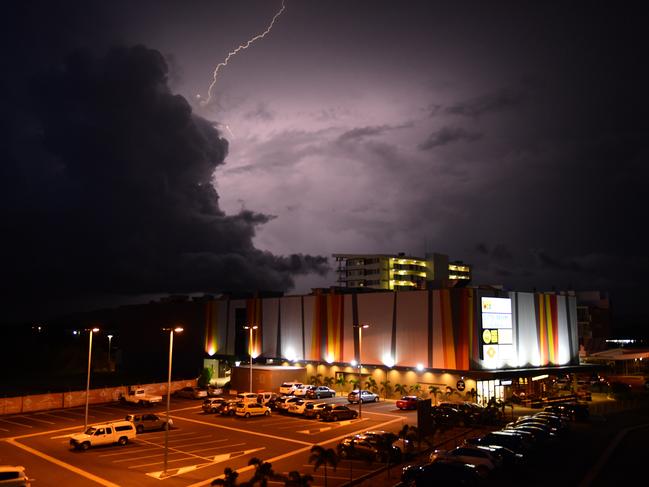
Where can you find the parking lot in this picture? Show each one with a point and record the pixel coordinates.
(200, 445)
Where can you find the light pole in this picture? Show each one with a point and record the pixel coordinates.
(250, 328)
(93, 330)
(110, 337)
(360, 367)
(171, 331)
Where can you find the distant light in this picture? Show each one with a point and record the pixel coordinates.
(237, 363)
(354, 363)
(95, 329)
(211, 351)
(109, 336)
(420, 367)
(179, 329)
(539, 377)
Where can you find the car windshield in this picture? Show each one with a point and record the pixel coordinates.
(91, 430)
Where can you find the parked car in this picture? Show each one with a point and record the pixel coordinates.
(214, 391)
(318, 392)
(302, 390)
(368, 447)
(146, 422)
(298, 407)
(336, 412)
(212, 404)
(247, 397)
(541, 433)
(448, 416)
(252, 409)
(104, 434)
(572, 411)
(288, 388)
(483, 460)
(407, 402)
(284, 403)
(514, 442)
(13, 476)
(228, 408)
(365, 396)
(267, 398)
(314, 409)
(191, 393)
(427, 474)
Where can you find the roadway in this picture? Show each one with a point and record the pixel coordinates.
(201, 445)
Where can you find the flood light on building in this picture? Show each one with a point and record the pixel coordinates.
(420, 367)
(388, 360)
(353, 363)
(290, 354)
(237, 363)
(329, 359)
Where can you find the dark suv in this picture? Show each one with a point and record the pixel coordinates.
(336, 412)
(145, 422)
(370, 447)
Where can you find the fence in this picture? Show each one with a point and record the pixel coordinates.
(62, 400)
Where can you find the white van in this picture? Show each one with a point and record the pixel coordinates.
(104, 434)
(247, 397)
(289, 387)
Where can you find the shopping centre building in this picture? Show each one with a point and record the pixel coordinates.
(457, 340)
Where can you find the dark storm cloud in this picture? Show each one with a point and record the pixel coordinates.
(503, 99)
(107, 190)
(359, 133)
(498, 251)
(556, 263)
(447, 135)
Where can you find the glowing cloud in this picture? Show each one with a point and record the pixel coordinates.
(240, 48)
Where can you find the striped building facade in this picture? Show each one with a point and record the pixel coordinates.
(449, 329)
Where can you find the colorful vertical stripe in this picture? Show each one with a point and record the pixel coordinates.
(327, 327)
(211, 327)
(254, 318)
(465, 341)
(448, 341)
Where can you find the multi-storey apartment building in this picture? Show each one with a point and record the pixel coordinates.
(400, 271)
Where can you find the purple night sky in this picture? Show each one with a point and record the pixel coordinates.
(510, 135)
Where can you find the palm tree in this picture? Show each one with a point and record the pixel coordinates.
(434, 390)
(401, 389)
(328, 381)
(356, 383)
(386, 389)
(229, 479)
(316, 380)
(295, 479)
(323, 456)
(370, 384)
(341, 382)
(263, 472)
(415, 389)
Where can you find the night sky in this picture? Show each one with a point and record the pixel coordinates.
(509, 135)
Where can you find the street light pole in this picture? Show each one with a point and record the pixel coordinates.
(360, 368)
(85, 421)
(110, 337)
(171, 331)
(250, 328)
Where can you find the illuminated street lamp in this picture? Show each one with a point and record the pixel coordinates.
(360, 367)
(92, 331)
(171, 331)
(250, 328)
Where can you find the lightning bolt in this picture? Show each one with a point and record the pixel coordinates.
(240, 48)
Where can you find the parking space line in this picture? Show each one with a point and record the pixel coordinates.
(35, 419)
(217, 447)
(256, 433)
(226, 457)
(141, 449)
(62, 464)
(57, 417)
(13, 422)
